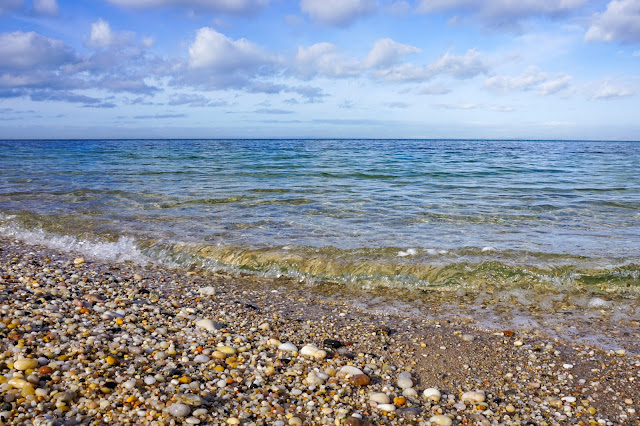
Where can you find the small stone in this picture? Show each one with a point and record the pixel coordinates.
(25, 364)
(410, 393)
(348, 370)
(518, 343)
(227, 350)
(567, 366)
(467, 338)
(201, 358)
(399, 401)
(313, 352)
(332, 343)
(360, 380)
(209, 325)
(192, 421)
(353, 421)
(78, 261)
(112, 360)
(441, 420)
(233, 421)
(389, 408)
(379, 398)
(288, 347)
(510, 408)
(405, 383)
(179, 410)
(45, 369)
(473, 396)
(432, 394)
(297, 421)
(149, 380)
(569, 399)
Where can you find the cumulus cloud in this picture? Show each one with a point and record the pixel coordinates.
(464, 66)
(227, 6)
(28, 50)
(531, 79)
(217, 52)
(620, 22)
(337, 12)
(325, 60)
(45, 7)
(608, 89)
(386, 52)
(101, 34)
(502, 12)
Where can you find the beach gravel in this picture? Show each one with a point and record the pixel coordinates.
(88, 342)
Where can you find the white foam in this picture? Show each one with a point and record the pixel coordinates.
(409, 252)
(489, 248)
(123, 250)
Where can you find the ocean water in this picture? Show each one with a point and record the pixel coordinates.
(421, 215)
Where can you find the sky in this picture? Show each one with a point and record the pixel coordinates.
(532, 69)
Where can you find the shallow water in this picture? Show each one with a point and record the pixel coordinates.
(407, 214)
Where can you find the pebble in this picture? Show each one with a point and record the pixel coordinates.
(467, 338)
(209, 325)
(405, 383)
(288, 347)
(432, 394)
(441, 420)
(379, 397)
(348, 370)
(201, 358)
(360, 380)
(25, 364)
(179, 410)
(313, 352)
(473, 396)
(386, 407)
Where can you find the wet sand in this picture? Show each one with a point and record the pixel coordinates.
(126, 344)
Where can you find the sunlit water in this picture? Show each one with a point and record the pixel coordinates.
(408, 214)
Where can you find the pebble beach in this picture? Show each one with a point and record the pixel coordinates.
(90, 342)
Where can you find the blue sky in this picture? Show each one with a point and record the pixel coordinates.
(566, 69)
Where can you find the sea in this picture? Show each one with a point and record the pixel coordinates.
(409, 217)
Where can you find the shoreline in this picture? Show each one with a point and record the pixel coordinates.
(123, 345)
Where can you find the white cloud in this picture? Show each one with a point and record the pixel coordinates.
(386, 52)
(464, 66)
(228, 6)
(45, 7)
(20, 50)
(434, 90)
(101, 34)
(215, 51)
(337, 12)
(502, 12)
(612, 90)
(324, 59)
(532, 79)
(620, 22)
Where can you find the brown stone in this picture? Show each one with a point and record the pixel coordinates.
(360, 380)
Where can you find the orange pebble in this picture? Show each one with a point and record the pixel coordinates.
(399, 400)
(45, 369)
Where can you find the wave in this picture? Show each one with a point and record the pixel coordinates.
(412, 269)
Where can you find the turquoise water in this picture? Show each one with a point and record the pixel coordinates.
(362, 213)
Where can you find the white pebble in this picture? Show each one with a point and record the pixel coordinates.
(179, 410)
(379, 397)
(441, 420)
(288, 347)
(201, 358)
(432, 394)
(473, 396)
(149, 380)
(386, 407)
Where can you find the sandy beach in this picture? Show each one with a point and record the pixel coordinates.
(87, 342)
